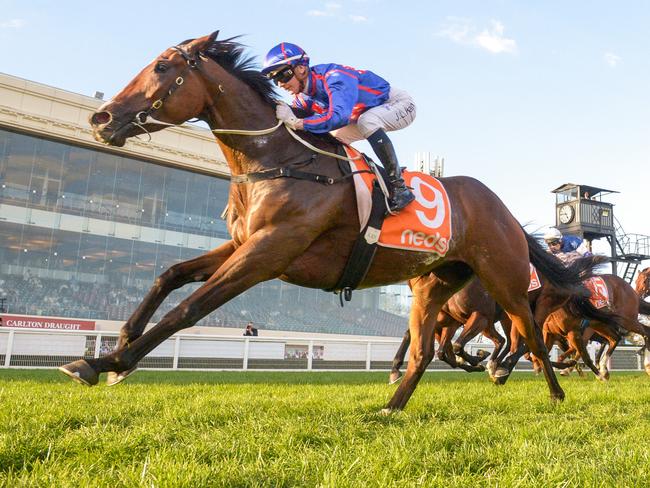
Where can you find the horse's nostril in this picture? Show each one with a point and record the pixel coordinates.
(100, 118)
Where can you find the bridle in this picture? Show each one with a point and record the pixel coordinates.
(193, 63)
(145, 116)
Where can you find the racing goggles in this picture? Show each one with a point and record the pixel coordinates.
(282, 75)
(553, 242)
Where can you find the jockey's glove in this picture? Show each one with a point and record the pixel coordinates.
(284, 113)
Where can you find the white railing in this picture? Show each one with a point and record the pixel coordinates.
(39, 348)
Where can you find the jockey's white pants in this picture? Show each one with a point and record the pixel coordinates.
(396, 113)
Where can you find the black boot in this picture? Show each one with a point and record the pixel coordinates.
(401, 195)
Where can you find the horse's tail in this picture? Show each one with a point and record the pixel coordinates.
(563, 277)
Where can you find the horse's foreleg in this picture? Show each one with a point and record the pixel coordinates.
(193, 270)
(499, 342)
(422, 320)
(604, 360)
(575, 340)
(398, 360)
(255, 261)
(446, 352)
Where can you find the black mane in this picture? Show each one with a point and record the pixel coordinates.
(231, 56)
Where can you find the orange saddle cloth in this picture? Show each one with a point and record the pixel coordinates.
(599, 292)
(424, 225)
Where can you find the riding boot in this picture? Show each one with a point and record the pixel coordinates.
(383, 148)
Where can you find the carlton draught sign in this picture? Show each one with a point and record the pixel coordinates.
(27, 322)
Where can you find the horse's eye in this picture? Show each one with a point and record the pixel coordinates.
(160, 68)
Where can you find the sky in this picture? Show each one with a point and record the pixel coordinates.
(522, 95)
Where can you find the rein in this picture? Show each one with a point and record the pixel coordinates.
(146, 117)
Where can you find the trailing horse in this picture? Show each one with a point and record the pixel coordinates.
(474, 308)
(624, 303)
(297, 230)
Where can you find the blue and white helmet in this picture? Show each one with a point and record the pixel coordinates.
(552, 234)
(284, 54)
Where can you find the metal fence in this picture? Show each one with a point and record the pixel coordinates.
(38, 348)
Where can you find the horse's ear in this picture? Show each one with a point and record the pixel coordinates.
(202, 43)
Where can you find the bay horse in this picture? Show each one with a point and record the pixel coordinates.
(643, 284)
(296, 230)
(474, 308)
(471, 308)
(624, 302)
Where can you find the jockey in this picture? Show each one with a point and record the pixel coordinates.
(566, 248)
(351, 104)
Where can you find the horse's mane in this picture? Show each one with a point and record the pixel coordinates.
(231, 56)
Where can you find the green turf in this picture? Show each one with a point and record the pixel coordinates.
(321, 429)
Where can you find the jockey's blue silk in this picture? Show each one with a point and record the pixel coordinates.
(570, 243)
(337, 95)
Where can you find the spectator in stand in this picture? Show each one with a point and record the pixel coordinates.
(250, 330)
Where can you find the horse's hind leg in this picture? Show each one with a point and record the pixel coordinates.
(514, 300)
(475, 325)
(430, 293)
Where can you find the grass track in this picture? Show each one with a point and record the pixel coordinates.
(321, 429)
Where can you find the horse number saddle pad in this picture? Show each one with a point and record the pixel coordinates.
(424, 225)
(599, 293)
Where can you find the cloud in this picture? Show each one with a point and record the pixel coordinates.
(492, 39)
(612, 59)
(457, 30)
(332, 9)
(12, 24)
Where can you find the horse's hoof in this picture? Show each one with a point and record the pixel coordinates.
(501, 372)
(482, 354)
(81, 372)
(114, 378)
(647, 369)
(565, 372)
(602, 378)
(386, 412)
(460, 360)
(557, 398)
(500, 377)
(394, 377)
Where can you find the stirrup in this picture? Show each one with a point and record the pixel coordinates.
(401, 198)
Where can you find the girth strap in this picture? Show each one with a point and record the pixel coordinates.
(290, 171)
(283, 172)
(364, 248)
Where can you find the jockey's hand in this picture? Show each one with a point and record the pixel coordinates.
(284, 113)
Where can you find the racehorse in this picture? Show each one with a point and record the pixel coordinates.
(643, 284)
(471, 308)
(476, 309)
(296, 230)
(623, 302)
